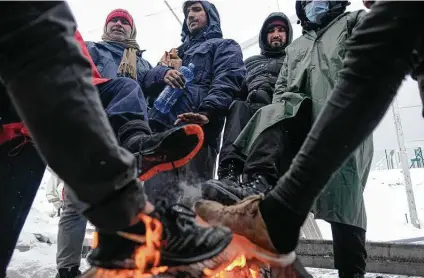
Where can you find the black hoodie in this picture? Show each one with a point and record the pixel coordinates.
(263, 70)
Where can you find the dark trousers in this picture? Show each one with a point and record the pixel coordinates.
(50, 83)
(349, 249)
(238, 116)
(274, 149)
(21, 170)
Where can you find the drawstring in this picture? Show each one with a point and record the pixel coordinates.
(11, 131)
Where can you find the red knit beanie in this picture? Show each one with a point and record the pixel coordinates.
(120, 13)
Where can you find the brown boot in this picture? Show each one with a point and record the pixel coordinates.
(243, 218)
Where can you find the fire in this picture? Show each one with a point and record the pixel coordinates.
(146, 257)
(238, 269)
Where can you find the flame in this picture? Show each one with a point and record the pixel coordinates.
(238, 268)
(146, 257)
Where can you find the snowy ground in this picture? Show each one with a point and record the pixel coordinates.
(386, 208)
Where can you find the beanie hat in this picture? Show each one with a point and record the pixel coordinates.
(120, 13)
(277, 22)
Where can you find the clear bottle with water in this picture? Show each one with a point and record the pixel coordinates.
(169, 95)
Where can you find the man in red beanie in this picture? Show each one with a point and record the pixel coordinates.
(118, 59)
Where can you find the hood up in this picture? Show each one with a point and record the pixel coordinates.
(212, 30)
(263, 42)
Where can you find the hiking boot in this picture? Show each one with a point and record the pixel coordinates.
(162, 151)
(71, 272)
(229, 193)
(176, 241)
(243, 218)
(229, 172)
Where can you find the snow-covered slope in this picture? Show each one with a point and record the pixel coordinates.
(384, 197)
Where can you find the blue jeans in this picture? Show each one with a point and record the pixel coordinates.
(123, 101)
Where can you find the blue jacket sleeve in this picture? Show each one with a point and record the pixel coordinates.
(229, 74)
(153, 80)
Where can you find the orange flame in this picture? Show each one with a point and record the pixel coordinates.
(146, 257)
(238, 269)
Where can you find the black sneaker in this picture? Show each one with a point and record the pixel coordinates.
(71, 272)
(229, 193)
(179, 243)
(166, 150)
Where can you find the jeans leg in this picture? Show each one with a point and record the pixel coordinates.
(70, 237)
(123, 101)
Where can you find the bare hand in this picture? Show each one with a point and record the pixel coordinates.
(192, 118)
(175, 79)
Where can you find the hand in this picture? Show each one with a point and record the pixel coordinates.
(192, 118)
(175, 79)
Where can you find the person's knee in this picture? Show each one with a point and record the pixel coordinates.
(127, 82)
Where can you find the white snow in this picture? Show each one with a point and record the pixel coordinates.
(385, 199)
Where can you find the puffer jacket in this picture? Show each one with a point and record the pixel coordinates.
(263, 69)
(219, 75)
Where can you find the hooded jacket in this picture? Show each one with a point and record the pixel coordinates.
(263, 70)
(219, 74)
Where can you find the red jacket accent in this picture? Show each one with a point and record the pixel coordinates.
(10, 131)
(97, 79)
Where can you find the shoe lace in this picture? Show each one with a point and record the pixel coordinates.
(183, 216)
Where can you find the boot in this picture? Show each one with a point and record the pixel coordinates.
(245, 219)
(71, 272)
(230, 172)
(228, 193)
(176, 242)
(162, 151)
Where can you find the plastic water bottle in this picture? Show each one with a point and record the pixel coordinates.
(169, 95)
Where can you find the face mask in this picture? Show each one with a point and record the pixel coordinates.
(315, 10)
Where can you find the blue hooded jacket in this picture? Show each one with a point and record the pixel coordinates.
(108, 55)
(219, 75)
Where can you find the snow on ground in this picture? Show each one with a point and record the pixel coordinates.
(385, 199)
(387, 206)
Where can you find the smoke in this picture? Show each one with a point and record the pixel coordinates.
(189, 194)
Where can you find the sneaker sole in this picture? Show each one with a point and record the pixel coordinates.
(189, 130)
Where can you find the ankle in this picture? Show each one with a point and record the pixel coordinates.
(283, 225)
